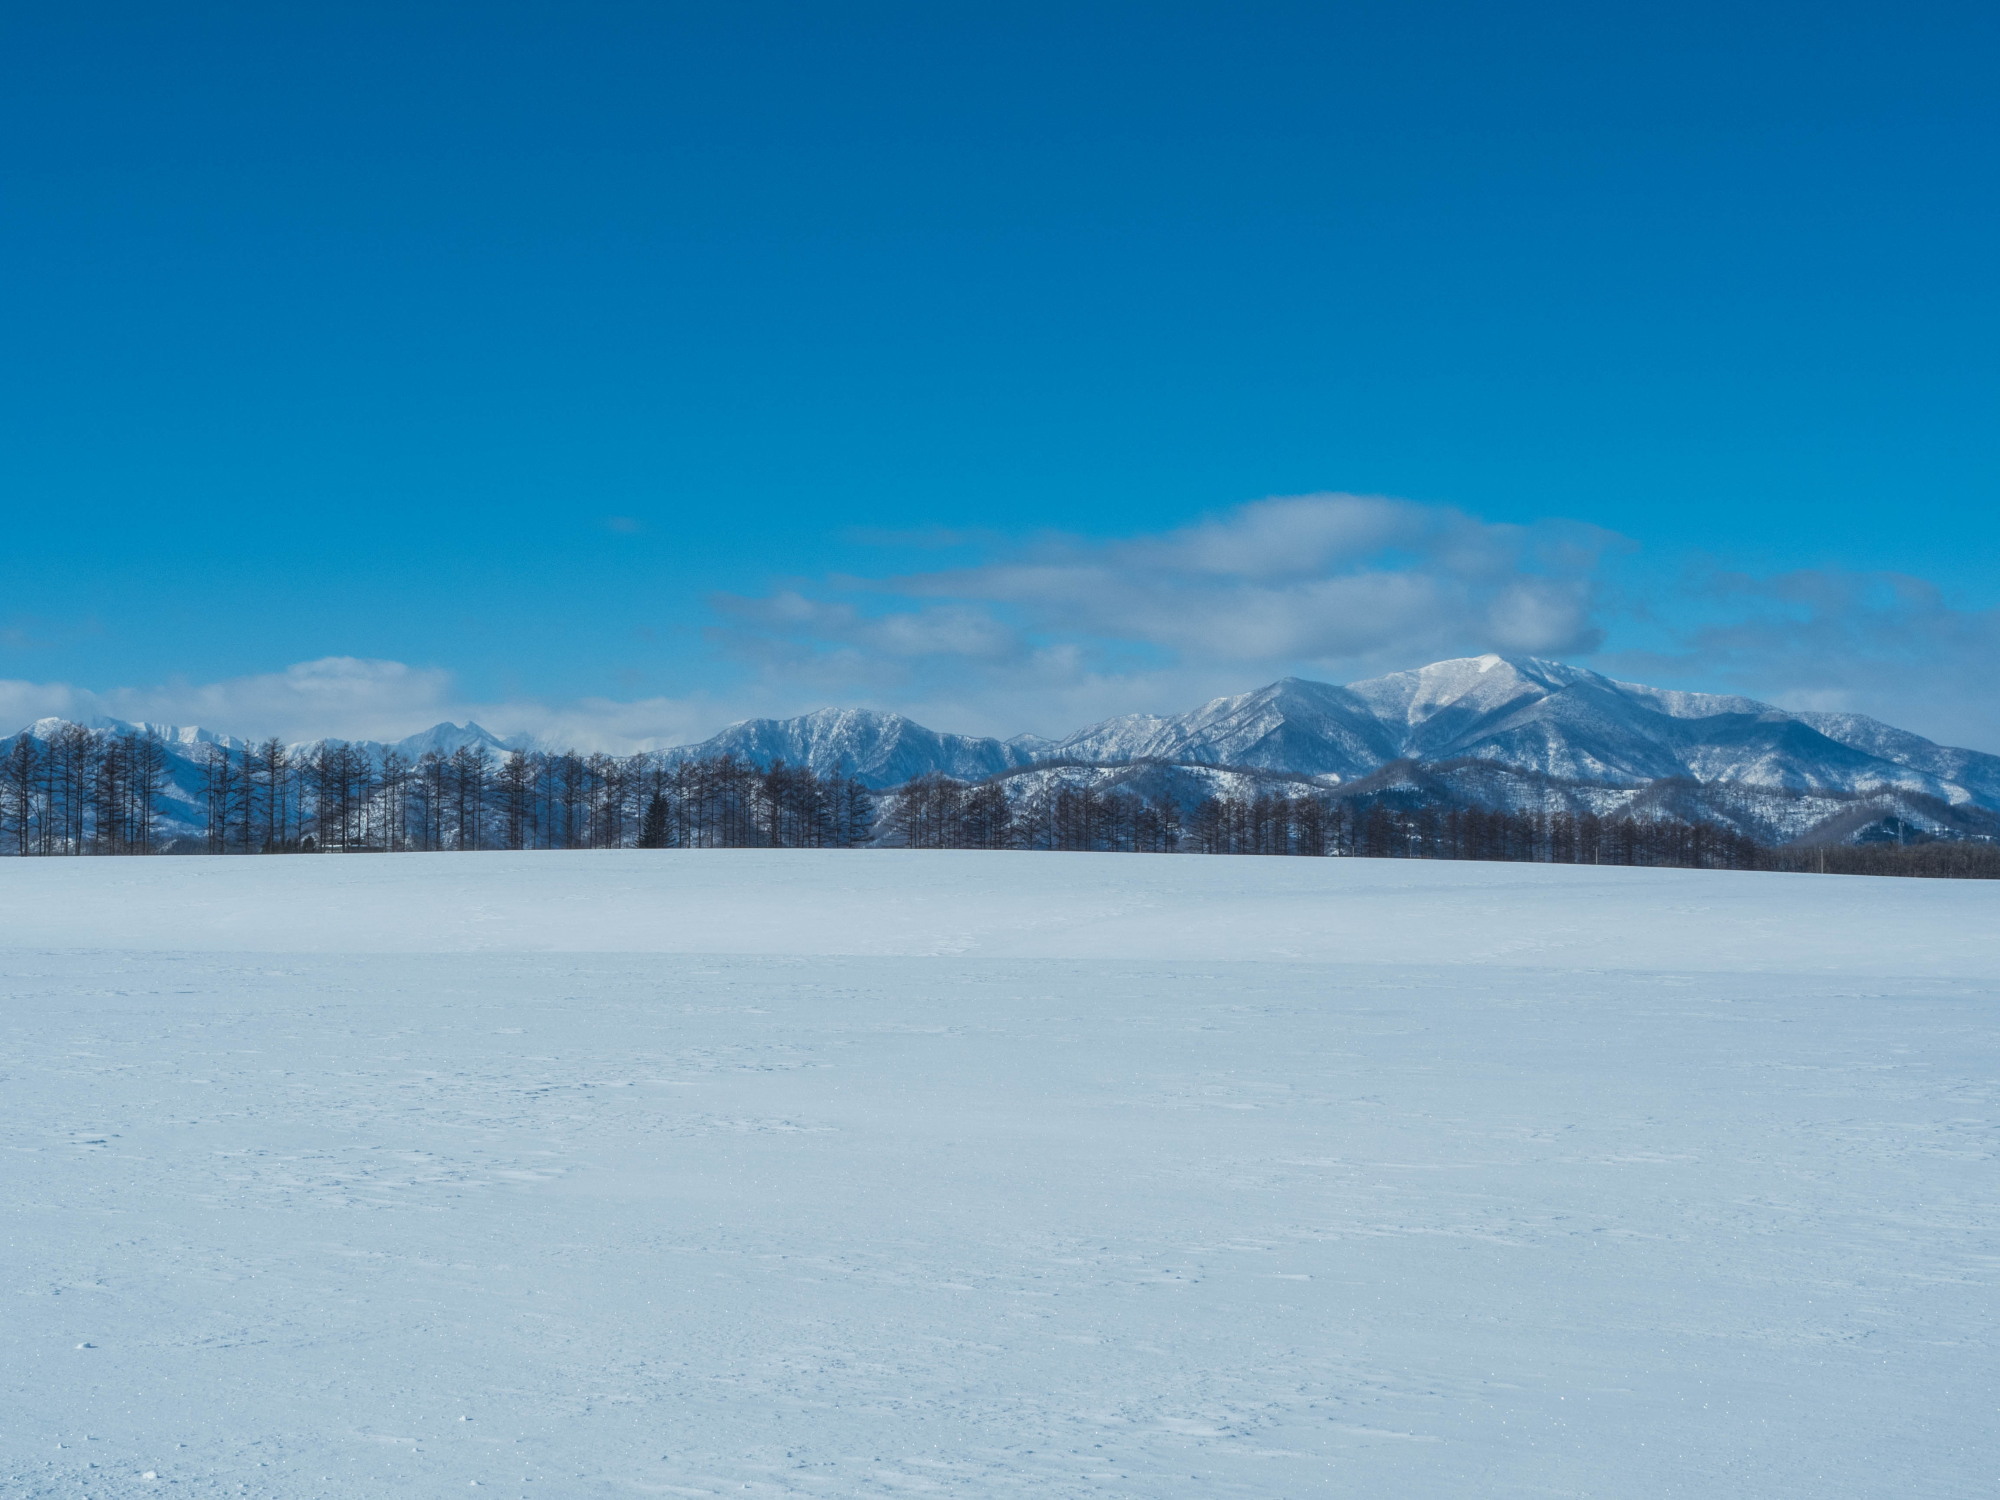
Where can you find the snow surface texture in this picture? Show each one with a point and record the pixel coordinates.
(890, 1173)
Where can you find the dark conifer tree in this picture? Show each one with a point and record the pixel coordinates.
(653, 829)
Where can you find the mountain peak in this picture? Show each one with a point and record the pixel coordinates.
(877, 748)
(447, 737)
(1560, 731)
(1465, 683)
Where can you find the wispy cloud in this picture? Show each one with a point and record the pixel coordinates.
(1327, 580)
(341, 695)
(1878, 643)
(1051, 632)
(349, 697)
(1333, 585)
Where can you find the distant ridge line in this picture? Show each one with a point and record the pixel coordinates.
(1514, 733)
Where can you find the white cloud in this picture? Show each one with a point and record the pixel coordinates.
(349, 697)
(1052, 633)
(1326, 581)
(1883, 644)
(334, 695)
(1047, 634)
(1333, 585)
(948, 630)
(1055, 632)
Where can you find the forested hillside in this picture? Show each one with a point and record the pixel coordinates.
(73, 791)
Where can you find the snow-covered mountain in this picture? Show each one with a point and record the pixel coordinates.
(1546, 717)
(1490, 730)
(447, 738)
(878, 749)
(188, 740)
(1486, 730)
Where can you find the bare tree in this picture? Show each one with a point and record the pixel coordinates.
(471, 765)
(21, 791)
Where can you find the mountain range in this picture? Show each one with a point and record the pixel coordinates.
(1525, 713)
(1492, 730)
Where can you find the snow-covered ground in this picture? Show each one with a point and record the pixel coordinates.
(886, 1173)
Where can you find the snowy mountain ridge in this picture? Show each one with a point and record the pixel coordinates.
(444, 738)
(880, 749)
(1524, 713)
(1512, 732)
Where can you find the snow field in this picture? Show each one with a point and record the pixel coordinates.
(879, 1173)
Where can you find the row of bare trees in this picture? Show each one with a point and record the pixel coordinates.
(103, 791)
(1937, 859)
(340, 797)
(82, 791)
(935, 812)
(271, 799)
(1550, 838)
(1309, 824)
(729, 803)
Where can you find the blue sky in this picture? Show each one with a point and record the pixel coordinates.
(614, 370)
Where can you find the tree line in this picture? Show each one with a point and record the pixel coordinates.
(935, 812)
(82, 791)
(85, 791)
(338, 797)
(1937, 859)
